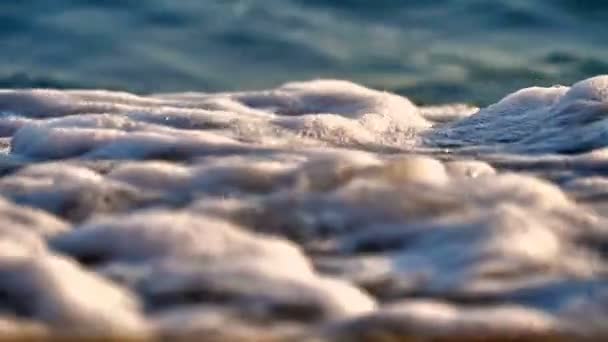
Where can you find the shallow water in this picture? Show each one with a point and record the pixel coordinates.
(318, 209)
(434, 52)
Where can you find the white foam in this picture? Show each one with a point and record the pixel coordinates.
(56, 291)
(318, 207)
(438, 320)
(167, 234)
(556, 119)
(257, 289)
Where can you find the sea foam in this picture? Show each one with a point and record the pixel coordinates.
(319, 209)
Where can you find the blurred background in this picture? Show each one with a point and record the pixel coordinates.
(434, 51)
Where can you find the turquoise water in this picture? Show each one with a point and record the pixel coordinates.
(432, 51)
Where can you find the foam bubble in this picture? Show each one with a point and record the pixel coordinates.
(56, 291)
(556, 119)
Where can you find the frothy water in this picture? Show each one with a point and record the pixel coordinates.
(318, 209)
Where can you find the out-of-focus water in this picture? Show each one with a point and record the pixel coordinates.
(432, 51)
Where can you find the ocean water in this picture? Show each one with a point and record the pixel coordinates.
(472, 51)
(304, 170)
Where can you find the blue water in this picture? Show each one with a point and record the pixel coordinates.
(433, 51)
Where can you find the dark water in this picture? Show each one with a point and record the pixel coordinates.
(433, 51)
